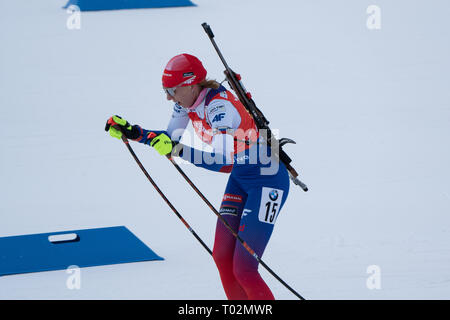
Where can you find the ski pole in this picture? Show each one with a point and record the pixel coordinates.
(246, 246)
(125, 140)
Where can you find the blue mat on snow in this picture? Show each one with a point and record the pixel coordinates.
(95, 5)
(82, 248)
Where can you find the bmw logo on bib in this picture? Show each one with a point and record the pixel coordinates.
(273, 195)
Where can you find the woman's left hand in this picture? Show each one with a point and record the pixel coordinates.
(161, 142)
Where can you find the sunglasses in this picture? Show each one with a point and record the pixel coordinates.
(170, 91)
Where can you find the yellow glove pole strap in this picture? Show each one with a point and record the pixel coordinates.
(114, 131)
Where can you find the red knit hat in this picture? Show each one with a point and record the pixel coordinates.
(183, 70)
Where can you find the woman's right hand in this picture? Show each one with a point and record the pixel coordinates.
(118, 127)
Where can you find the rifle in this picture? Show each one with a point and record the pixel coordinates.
(245, 97)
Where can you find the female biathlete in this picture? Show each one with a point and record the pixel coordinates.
(254, 194)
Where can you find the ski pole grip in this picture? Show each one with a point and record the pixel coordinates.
(208, 30)
(124, 138)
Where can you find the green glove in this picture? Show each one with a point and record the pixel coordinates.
(131, 132)
(161, 142)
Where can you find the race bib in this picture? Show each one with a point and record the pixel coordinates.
(270, 205)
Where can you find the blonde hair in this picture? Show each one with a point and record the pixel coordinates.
(209, 84)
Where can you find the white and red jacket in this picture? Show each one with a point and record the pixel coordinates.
(219, 119)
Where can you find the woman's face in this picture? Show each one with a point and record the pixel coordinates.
(184, 96)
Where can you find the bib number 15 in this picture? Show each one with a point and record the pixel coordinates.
(270, 205)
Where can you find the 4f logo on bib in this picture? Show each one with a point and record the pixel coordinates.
(218, 117)
(270, 205)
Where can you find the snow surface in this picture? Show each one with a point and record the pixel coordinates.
(369, 109)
